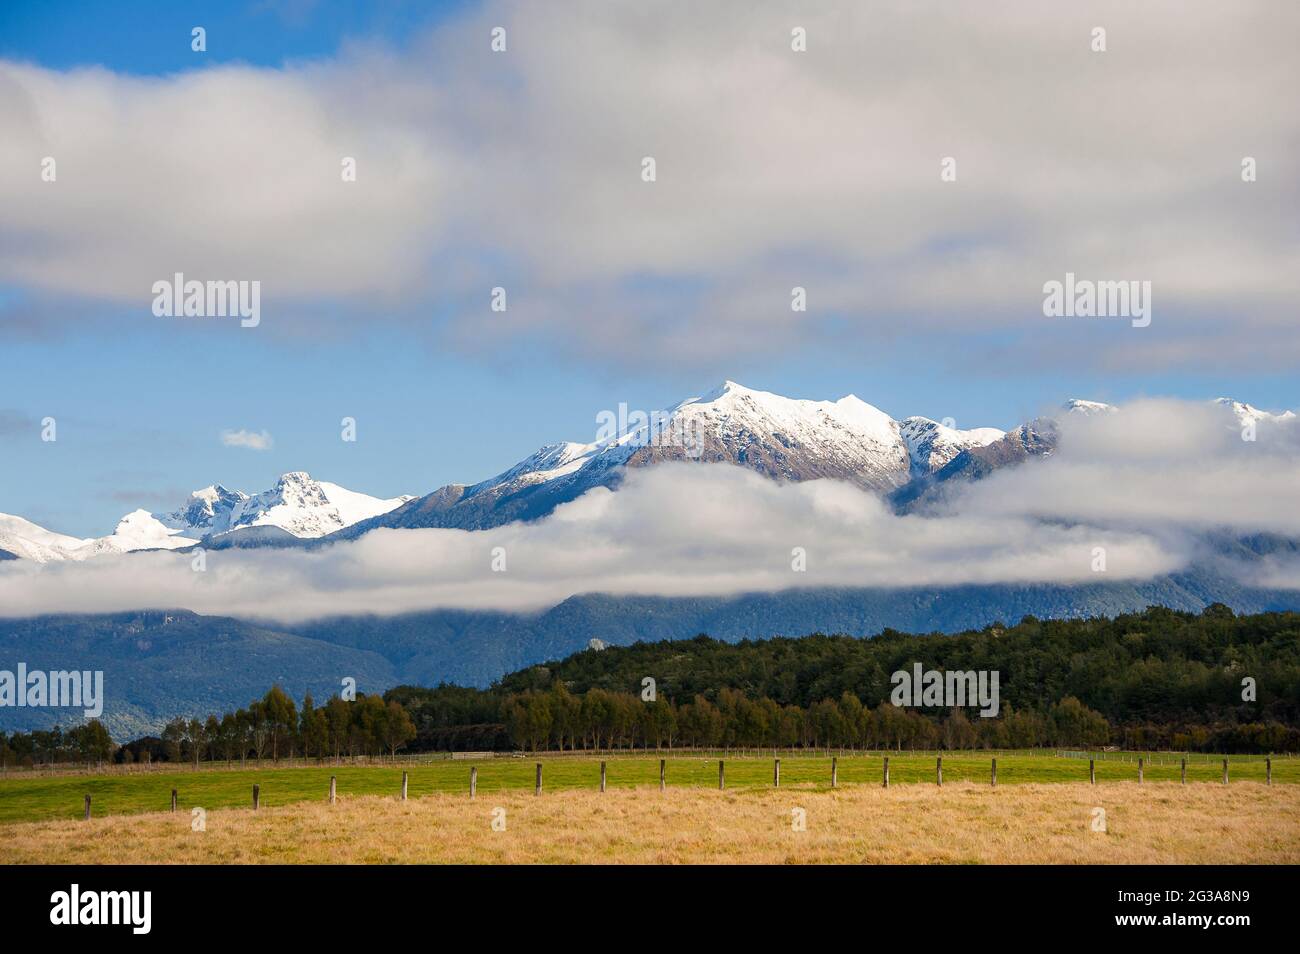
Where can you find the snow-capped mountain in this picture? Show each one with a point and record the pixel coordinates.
(910, 462)
(1078, 406)
(784, 438)
(297, 505)
(1244, 412)
(26, 541)
(932, 444)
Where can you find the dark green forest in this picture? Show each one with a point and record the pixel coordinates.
(1160, 679)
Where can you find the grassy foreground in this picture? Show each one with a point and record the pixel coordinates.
(37, 798)
(961, 823)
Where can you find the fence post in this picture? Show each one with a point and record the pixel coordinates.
(776, 773)
(994, 783)
(1184, 771)
(834, 771)
(1139, 771)
(473, 781)
(1268, 771)
(173, 800)
(662, 781)
(87, 808)
(722, 783)
(1092, 771)
(1225, 771)
(938, 770)
(885, 784)
(333, 788)
(602, 776)
(538, 790)
(257, 792)
(404, 780)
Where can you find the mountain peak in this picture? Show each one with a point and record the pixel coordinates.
(1080, 406)
(727, 387)
(1248, 412)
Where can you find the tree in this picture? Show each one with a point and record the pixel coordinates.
(397, 727)
(281, 717)
(1073, 723)
(313, 728)
(173, 737)
(338, 716)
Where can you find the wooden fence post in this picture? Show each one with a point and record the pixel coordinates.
(663, 782)
(473, 781)
(173, 801)
(1184, 771)
(776, 773)
(938, 770)
(722, 778)
(602, 776)
(405, 776)
(333, 788)
(1225, 771)
(257, 793)
(834, 771)
(87, 808)
(1268, 771)
(538, 791)
(1139, 771)
(885, 783)
(994, 782)
(1092, 771)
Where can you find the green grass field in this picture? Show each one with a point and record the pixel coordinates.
(39, 798)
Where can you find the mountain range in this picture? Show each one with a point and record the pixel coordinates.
(908, 461)
(297, 505)
(159, 664)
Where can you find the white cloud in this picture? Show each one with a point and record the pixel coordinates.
(253, 440)
(1146, 485)
(776, 168)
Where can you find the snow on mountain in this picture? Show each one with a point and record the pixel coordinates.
(1245, 413)
(931, 444)
(297, 504)
(781, 437)
(1078, 406)
(27, 541)
(786, 438)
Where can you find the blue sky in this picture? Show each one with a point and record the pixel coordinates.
(141, 404)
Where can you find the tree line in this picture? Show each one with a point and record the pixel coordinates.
(272, 727)
(1159, 679)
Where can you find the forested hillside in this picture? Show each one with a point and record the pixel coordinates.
(1159, 678)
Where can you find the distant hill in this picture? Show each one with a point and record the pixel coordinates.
(162, 664)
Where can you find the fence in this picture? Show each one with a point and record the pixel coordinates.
(601, 781)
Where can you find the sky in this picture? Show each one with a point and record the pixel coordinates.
(523, 169)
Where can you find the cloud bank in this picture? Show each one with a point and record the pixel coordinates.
(775, 168)
(1145, 485)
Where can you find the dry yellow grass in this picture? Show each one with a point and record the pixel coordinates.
(958, 824)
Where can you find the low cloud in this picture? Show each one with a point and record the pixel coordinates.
(253, 440)
(1145, 486)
